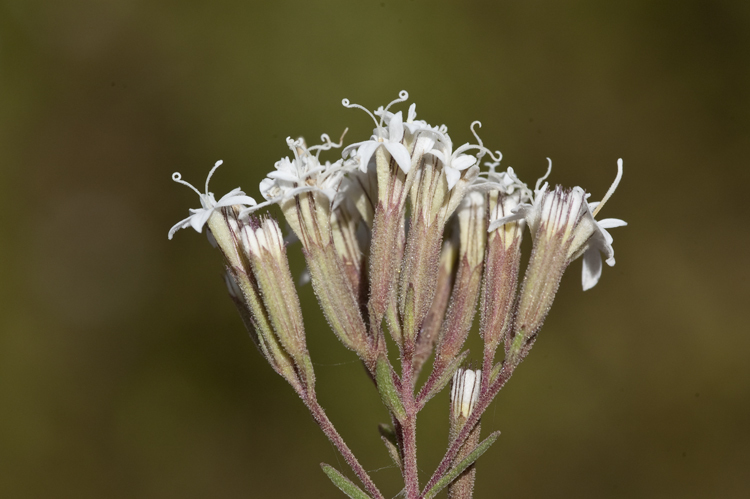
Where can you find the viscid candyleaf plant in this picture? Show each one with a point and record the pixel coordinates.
(404, 233)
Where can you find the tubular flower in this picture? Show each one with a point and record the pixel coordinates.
(198, 217)
(303, 173)
(568, 213)
(454, 162)
(504, 182)
(389, 136)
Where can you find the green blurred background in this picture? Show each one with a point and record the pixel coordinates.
(124, 369)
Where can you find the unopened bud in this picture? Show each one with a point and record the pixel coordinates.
(227, 230)
(464, 393)
(472, 225)
(502, 262)
(344, 225)
(264, 244)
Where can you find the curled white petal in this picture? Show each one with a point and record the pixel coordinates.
(592, 268)
(199, 216)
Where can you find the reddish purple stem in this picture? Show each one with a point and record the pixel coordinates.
(329, 430)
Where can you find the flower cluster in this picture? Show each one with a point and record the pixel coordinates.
(404, 234)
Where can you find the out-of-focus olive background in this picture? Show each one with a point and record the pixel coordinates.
(124, 369)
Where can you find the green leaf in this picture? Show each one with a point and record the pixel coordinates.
(387, 389)
(461, 466)
(388, 436)
(445, 377)
(344, 484)
(496, 372)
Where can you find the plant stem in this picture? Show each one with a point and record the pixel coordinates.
(409, 426)
(329, 430)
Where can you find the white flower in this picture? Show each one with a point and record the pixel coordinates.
(568, 212)
(454, 162)
(600, 240)
(419, 136)
(390, 137)
(505, 192)
(509, 183)
(412, 125)
(506, 182)
(303, 173)
(198, 217)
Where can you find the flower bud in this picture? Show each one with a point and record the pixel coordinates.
(472, 224)
(502, 262)
(305, 190)
(435, 317)
(464, 395)
(361, 190)
(227, 230)
(264, 244)
(346, 239)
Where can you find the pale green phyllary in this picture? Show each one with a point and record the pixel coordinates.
(404, 233)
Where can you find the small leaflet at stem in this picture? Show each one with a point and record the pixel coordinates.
(344, 484)
(388, 391)
(461, 466)
(388, 436)
(436, 383)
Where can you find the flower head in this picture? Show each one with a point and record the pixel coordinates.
(303, 173)
(198, 217)
(574, 215)
(389, 136)
(412, 124)
(518, 200)
(567, 216)
(455, 162)
(505, 182)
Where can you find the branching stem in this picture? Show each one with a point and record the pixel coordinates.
(485, 398)
(330, 431)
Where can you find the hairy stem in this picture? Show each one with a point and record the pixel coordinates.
(325, 424)
(409, 426)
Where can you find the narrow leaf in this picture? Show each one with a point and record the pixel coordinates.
(387, 389)
(388, 436)
(496, 372)
(344, 484)
(461, 466)
(445, 377)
